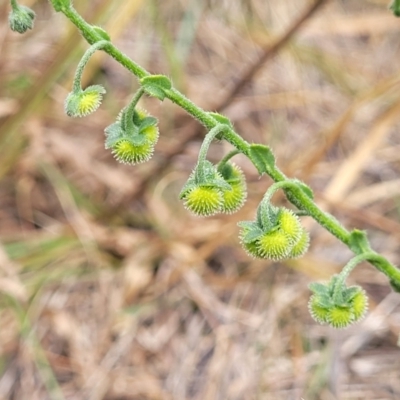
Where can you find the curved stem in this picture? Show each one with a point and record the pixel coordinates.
(231, 154)
(204, 150)
(130, 110)
(84, 60)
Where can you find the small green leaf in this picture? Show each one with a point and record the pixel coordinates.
(252, 235)
(358, 242)
(305, 188)
(101, 33)
(262, 157)
(156, 85)
(221, 119)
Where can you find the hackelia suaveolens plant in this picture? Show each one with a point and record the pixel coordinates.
(276, 233)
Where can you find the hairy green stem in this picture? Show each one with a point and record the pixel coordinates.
(204, 150)
(14, 5)
(226, 158)
(77, 87)
(293, 191)
(127, 117)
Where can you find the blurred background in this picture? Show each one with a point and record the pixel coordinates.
(110, 289)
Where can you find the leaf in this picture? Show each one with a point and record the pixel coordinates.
(262, 157)
(221, 119)
(101, 33)
(156, 85)
(305, 188)
(358, 241)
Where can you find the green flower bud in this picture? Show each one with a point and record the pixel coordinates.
(250, 246)
(203, 200)
(135, 144)
(359, 305)
(337, 305)
(21, 18)
(317, 311)
(84, 102)
(290, 224)
(236, 196)
(340, 317)
(275, 245)
(128, 152)
(301, 247)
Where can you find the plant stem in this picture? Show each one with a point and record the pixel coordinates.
(204, 150)
(293, 191)
(127, 118)
(84, 60)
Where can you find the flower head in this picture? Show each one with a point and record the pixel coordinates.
(21, 19)
(337, 305)
(132, 144)
(235, 197)
(84, 102)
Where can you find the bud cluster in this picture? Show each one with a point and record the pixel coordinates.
(337, 305)
(276, 234)
(211, 190)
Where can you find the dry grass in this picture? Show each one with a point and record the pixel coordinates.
(115, 293)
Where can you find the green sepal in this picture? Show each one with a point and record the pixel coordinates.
(221, 119)
(358, 242)
(189, 185)
(350, 292)
(319, 288)
(262, 157)
(113, 132)
(137, 139)
(101, 33)
(156, 85)
(147, 122)
(252, 231)
(267, 216)
(324, 301)
(60, 5)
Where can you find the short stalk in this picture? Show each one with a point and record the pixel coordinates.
(130, 110)
(204, 150)
(77, 86)
(14, 5)
(231, 154)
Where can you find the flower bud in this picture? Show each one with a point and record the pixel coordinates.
(21, 19)
(301, 247)
(275, 245)
(236, 196)
(84, 102)
(204, 200)
(134, 144)
(290, 224)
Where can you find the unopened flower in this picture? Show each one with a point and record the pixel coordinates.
(21, 18)
(83, 102)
